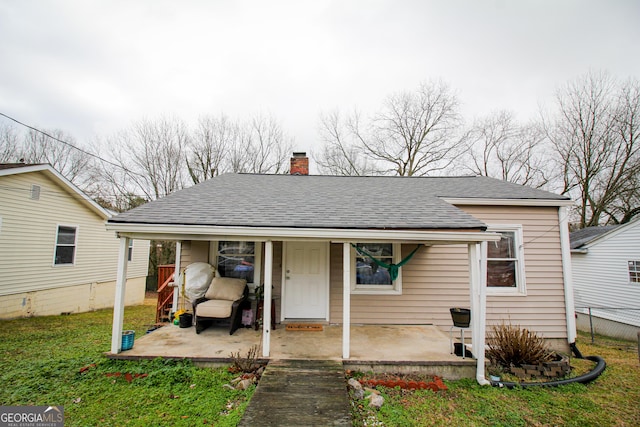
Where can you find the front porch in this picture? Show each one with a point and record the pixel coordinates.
(380, 348)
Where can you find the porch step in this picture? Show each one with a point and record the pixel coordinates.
(300, 393)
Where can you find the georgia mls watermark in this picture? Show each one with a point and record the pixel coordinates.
(31, 416)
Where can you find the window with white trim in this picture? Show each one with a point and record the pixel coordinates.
(236, 259)
(634, 271)
(505, 261)
(369, 277)
(66, 238)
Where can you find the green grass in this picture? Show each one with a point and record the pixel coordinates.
(42, 360)
(611, 400)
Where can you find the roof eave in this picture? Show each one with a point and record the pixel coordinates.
(507, 202)
(201, 232)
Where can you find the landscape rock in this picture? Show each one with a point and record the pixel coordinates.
(375, 401)
(244, 384)
(355, 385)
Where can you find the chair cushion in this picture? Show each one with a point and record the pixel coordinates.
(218, 308)
(225, 288)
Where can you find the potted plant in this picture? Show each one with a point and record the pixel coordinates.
(495, 372)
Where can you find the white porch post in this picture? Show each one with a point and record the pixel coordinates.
(177, 279)
(567, 274)
(266, 304)
(477, 281)
(346, 299)
(118, 306)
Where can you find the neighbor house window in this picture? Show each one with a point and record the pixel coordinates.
(130, 250)
(634, 271)
(505, 261)
(65, 245)
(236, 259)
(370, 276)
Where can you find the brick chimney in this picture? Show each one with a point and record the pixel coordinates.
(299, 164)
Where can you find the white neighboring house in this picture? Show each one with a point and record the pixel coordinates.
(55, 254)
(606, 277)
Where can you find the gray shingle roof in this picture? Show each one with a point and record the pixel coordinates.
(586, 235)
(4, 166)
(328, 202)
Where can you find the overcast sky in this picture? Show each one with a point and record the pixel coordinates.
(93, 67)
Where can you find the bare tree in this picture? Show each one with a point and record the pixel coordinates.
(412, 134)
(9, 144)
(150, 158)
(595, 134)
(340, 154)
(269, 147)
(499, 147)
(220, 145)
(40, 147)
(207, 146)
(626, 204)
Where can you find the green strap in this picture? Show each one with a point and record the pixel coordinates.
(392, 268)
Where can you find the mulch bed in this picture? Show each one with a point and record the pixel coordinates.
(306, 327)
(403, 381)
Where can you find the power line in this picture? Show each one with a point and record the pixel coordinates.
(69, 144)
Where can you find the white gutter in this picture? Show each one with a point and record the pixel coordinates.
(263, 234)
(565, 246)
(478, 291)
(266, 311)
(177, 278)
(507, 202)
(346, 300)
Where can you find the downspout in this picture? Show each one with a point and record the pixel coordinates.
(565, 248)
(478, 308)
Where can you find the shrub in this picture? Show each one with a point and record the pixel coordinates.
(513, 346)
(247, 364)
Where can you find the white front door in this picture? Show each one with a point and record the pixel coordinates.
(306, 280)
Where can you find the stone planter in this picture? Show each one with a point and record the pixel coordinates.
(557, 368)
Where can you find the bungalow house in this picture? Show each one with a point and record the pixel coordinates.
(319, 245)
(55, 254)
(606, 279)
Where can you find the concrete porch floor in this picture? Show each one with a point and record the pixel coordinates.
(380, 348)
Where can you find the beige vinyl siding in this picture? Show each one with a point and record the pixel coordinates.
(194, 251)
(435, 276)
(543, 308)
(28, 238)
(437, 279)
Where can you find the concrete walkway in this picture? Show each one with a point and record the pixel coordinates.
(300, 393)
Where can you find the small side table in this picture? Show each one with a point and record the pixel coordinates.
(259, 310)
(462, 329)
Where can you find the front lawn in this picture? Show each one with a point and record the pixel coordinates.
(58, 360)
(611, 400)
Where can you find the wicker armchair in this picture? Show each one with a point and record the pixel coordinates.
(222, 303)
